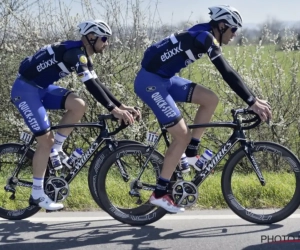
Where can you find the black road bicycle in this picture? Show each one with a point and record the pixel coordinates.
(16, 170)
(249, 181)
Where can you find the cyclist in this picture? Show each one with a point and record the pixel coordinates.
(33, 92)
(157, 85)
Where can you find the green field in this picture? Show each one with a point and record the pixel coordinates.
(272, 74)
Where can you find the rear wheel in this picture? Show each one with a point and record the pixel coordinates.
(15, 188)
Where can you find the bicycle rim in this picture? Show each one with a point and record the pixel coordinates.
(245, 195)
(113, 190)
(15, 206)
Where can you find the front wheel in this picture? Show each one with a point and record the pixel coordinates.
(96, 164)
(123, 188)
(246, 196)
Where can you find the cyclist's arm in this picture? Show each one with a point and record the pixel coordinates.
(105, 89)
(230, 76)
(79, 60)
(234, 80)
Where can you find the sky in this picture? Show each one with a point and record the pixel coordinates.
(174, 11)
(252, 11)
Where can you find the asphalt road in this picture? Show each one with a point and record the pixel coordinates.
(205, 229)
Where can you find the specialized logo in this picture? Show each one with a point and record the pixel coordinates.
(87, 155)
(82, 59)
(170, 53)
(163, 105)
(29, 116)
(44, 65)
(219, 156)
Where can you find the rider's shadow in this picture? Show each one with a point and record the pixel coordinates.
(16, 235)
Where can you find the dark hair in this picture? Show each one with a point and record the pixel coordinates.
(214, 24)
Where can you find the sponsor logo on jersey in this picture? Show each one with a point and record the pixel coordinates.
(163, 105)
(150, 88)
(82, 59)
(80, 75)
(62, 74)
(215, 42)
(187, 62)
(45, 64)
(162, 43)
(84, 76)
(170, 53)
(77, 66)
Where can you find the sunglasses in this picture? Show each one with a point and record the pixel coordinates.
(103, 38)
(233, 29)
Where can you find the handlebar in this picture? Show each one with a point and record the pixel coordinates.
(256, 119)
(107, 117)
(103, 118)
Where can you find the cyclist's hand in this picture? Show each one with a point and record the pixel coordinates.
(264, 102)
(263, 109)
(133, 110)
(123, 115)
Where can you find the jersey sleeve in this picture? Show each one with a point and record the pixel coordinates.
(102, 86)
(79, 62)
(84, 69)
(208, 43)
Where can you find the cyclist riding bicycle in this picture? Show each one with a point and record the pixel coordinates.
(33, 92)
(157, 85)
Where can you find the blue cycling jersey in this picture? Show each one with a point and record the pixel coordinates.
(53, 62)
(169, 56)
(33, 91)
(156, 83)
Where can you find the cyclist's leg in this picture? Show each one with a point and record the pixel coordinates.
(27, 98)
(183, 90)
(153, 90)
(61, 98)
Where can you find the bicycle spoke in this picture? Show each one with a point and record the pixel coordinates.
(258, 203)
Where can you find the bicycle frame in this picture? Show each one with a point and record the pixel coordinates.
(104, 136)
(238, 135)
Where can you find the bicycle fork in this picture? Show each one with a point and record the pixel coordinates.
(248, 150)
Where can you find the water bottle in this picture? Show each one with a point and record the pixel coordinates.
(184, 164)
(203, 159)
(55, 159)
(73, 157)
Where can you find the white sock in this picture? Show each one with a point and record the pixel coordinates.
(59, 140)
(37, 188)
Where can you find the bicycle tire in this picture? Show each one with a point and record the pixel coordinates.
(232, 201)
(96, 164)
(150, 213)
(23, 213)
